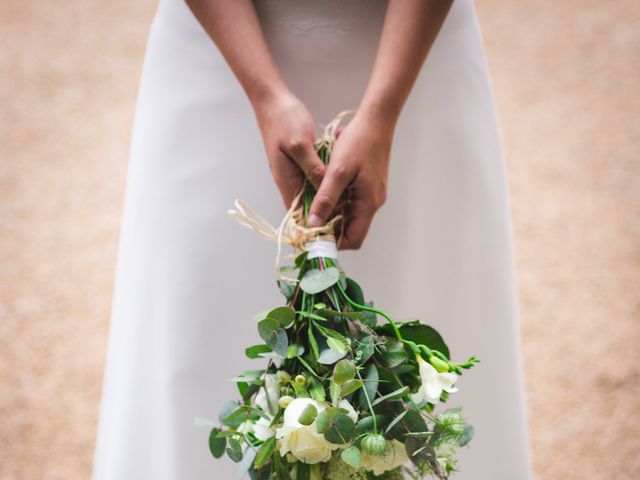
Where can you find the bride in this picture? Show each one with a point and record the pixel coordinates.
(234, 92)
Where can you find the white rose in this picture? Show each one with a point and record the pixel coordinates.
(433, 383)
(303, 441)
(392, 458)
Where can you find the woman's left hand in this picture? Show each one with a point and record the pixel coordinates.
(358, 169)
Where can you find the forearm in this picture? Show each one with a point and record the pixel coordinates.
(249, 59)
(410, 28)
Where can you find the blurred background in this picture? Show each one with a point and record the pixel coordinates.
(567, 84)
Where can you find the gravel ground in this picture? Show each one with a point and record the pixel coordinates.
(567, 77)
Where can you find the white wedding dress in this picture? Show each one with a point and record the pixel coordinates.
(189, 280)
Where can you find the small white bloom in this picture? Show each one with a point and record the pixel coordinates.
(395, 456)
(433, 383)
(262, 429)
(267, 397)
(303, 441)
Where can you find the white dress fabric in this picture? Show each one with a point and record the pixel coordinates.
(189, 280)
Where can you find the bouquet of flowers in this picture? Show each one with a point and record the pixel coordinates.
(345, 392)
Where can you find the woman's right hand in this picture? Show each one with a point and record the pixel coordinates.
(288, 133)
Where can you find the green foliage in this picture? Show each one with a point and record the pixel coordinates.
(325, 344)
(316, 281)
(351, 456)
(217, 445)
(264, 454)
(344, 371)
(308, 415)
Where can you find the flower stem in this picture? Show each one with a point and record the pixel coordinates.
(366, 396)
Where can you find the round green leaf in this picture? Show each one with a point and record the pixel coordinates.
(217, 445)
(284, 315)
(351, 456)
(316, 281)
(323, 421)
(267, 327)
(308, 415)
(344, 371)
(350, 386)
(342, 430)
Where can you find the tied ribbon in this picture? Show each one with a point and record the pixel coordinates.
(292, 230)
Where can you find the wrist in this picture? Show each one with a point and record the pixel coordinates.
(267, 93)
(378, 117)
(380, 112)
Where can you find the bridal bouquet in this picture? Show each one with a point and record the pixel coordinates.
(344, 391)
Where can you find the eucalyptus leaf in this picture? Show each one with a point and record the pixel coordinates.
(279, 342)
(350, 386)
(287, 288)
(394, 354)
(308, 415)
(316, 281)
(329, 356)
(234, 451)
(467, 435)
(336, 345)
(341, 431)
(217, 445)
(351, 456)
(267, 328)
(283, 315)
(344, 371)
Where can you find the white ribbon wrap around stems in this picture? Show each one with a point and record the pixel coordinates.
(322, 248)
(318, 241)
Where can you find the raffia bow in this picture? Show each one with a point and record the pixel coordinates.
(292, 230)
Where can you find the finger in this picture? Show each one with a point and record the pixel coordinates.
(336, 179)
(305, 156)
(288, 178)
(358, 223)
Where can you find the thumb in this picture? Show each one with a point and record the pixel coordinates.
(335, 181)
(310, 163)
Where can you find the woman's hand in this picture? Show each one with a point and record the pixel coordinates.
(357, 173)
(288, 132)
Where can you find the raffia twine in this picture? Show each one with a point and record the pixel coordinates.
(292, 230)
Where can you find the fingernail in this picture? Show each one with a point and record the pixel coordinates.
(314, 220)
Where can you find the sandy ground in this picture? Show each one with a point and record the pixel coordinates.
(567, 80)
